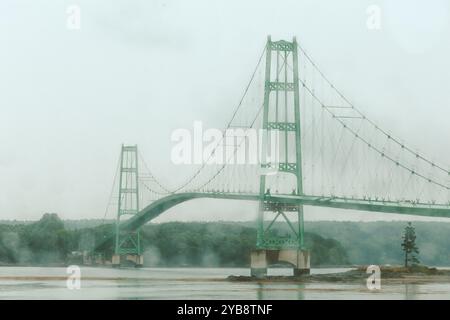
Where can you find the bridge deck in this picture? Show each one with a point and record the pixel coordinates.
(398, 207)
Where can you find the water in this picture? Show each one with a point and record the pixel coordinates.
(192, 283)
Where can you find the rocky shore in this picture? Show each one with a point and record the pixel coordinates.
(390, 274)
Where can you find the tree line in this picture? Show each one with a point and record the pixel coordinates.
(49, 241)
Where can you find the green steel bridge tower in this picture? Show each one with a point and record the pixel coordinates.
(127, 243)
(281, 101)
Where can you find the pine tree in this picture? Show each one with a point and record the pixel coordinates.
(409, 245)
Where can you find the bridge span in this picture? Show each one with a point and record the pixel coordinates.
(161, 205)
(326, 151)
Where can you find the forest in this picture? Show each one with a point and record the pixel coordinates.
(50, 240)
(227, 244)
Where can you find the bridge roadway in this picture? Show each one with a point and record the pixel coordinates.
(398, 207)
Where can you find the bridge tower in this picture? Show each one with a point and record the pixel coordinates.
(127, 244)
(281, 113)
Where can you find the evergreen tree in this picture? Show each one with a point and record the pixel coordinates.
(409, 245)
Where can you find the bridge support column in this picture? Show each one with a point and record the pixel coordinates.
(300, 259)
(261, 259)
(115, 261)
(138, 260)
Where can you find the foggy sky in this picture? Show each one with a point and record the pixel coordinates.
(139, 69)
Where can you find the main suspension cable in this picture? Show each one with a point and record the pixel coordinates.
(362, 115)
(182, 186)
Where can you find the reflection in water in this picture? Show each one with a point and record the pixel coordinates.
(265, 291)
(259, 292)
(300, 295)
(192, 283)
(411, 291)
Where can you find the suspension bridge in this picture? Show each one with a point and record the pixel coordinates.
(326, 153)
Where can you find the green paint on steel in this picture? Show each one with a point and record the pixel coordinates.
(128, 241)
(286, 50)
(420, 209)
(158, 207)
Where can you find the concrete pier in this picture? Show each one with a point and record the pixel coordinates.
(261, 259)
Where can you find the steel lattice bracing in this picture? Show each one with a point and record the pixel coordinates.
(128, 241)
(281, 114)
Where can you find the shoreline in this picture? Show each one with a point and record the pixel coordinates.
(389, 275)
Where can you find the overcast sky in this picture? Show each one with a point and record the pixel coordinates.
(138, 69)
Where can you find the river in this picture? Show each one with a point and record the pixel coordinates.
(192, 283)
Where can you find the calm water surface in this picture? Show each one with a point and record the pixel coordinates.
(191, 283)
